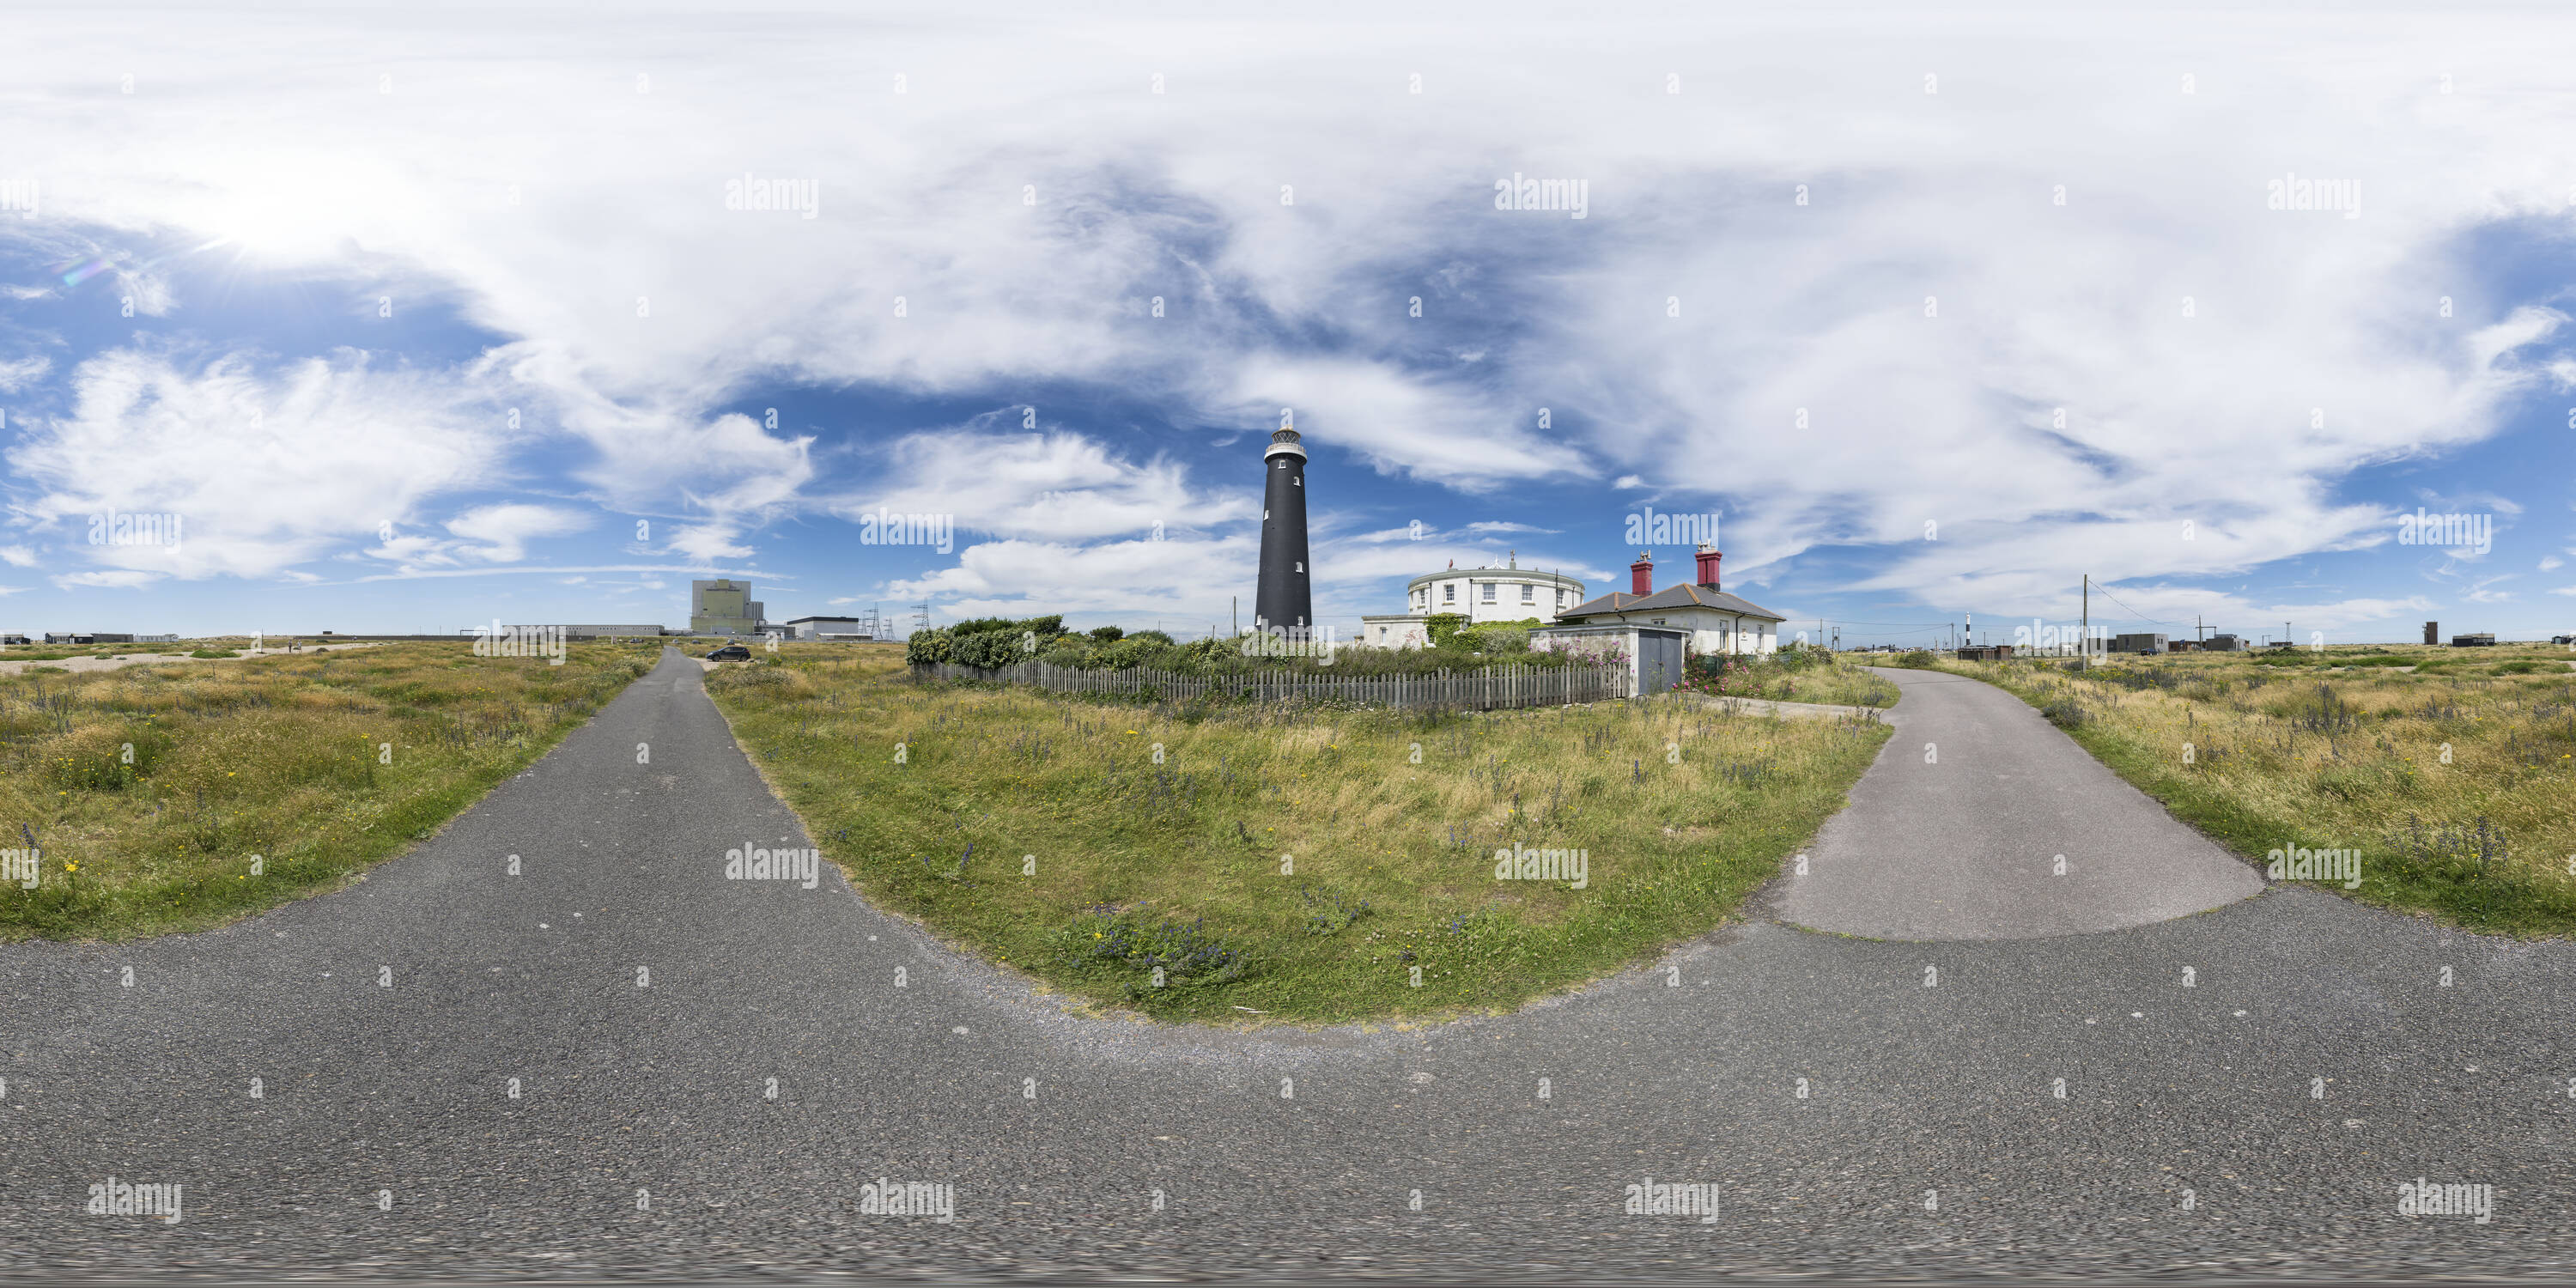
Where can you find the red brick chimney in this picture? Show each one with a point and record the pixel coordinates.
(1708, 558)
(1641, 574)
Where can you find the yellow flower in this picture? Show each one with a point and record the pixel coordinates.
(71, 867)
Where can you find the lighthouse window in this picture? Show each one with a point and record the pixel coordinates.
(1296, 480)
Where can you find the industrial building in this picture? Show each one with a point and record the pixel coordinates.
(606, 632)
(723, 606)
(828, 628)
(2140, 642)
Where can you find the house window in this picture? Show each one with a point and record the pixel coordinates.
(1489, 592)
(1449, 592)
(1529, 593)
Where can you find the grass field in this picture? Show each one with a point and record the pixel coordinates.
(1792, 675)
(146, 791)
(2451, 771)
(1284, 865)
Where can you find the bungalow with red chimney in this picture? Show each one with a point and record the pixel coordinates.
(1716, 622)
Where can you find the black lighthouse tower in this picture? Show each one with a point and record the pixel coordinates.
(1284, 599)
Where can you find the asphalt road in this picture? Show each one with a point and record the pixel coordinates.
(1982, 821)
(645, 1139)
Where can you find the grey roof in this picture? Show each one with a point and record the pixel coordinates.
(1681, 596)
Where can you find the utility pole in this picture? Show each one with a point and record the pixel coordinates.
(1234, 615)
(2084, 633)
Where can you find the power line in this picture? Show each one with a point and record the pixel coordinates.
(2141, 617)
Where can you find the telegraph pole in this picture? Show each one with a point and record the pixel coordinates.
(2084, 633)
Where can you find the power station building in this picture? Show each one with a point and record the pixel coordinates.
(723, 606)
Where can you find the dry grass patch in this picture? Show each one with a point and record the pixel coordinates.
(1286, 863)
(147, 791)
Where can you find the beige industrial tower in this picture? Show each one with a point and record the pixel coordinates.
(723, 607)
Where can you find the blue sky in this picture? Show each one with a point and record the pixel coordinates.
(2020, 276)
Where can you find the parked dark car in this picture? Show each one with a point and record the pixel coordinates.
(730, 653)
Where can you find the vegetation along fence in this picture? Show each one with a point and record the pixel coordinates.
(1484, 688)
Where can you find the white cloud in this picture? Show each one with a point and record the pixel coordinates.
(18, 374)
(265, 469)
(505, 530)
(1056, 486)
(1781, 307)
(118, 579)
(18, 556)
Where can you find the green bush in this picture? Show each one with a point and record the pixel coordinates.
(1139, 649)
(1107, 634)
(1070, 650)
(1919, 659)
(927, 647)
(1440, 626)
(991, 649)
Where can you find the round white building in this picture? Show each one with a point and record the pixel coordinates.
(1481, 595)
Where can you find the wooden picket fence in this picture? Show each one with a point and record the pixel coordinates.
(1484, 688)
